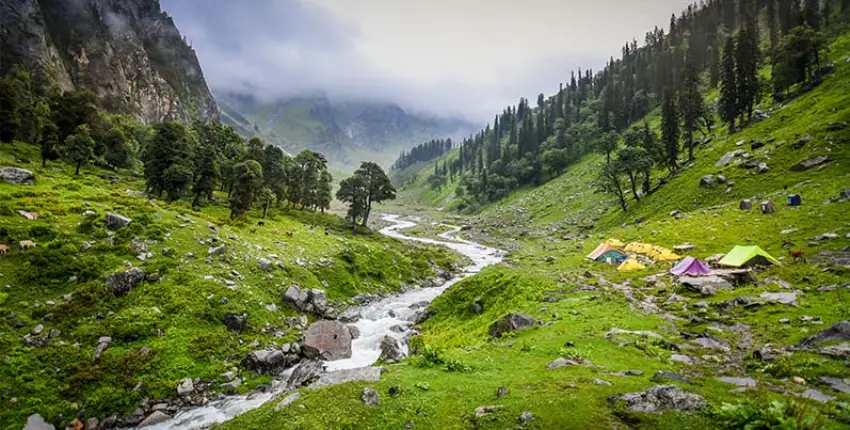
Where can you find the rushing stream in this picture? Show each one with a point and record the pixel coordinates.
(375, 322)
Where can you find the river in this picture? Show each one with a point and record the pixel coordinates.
(376, 320)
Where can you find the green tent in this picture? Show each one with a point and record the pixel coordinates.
(747, 255)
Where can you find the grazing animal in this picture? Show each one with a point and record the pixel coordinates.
(4, 249)
(289, 234)
(276, 230)
(261, 223)
(253, 230)
(797, 254)
(27, 244)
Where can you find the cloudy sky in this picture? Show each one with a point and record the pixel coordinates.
(448, 57)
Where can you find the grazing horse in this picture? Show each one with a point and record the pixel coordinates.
(797, 254)
(4, 249)
(289, 234)
(26, 244)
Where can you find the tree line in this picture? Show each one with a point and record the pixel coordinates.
(718, 43)
(178, 161)
(427, 151)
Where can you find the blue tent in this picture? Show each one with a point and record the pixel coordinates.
(794, 200)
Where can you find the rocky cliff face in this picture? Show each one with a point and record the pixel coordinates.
(128, 52)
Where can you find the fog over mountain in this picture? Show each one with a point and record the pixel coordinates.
(469, 58)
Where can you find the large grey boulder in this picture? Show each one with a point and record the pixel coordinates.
(363, 374)
(122, 283)
(810, 163)
(708, 181)
(392, 349)
(116, 222)
(327, 340)
(839, 332)
(17, 176)
(36, 422)
(662, 398)
(305, 373)
(269, 361)
(511, 322)
(154, 418)
(264, 264)
(705, 285)
(297, 297)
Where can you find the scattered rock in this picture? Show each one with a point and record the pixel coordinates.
(839, 331)
(816, 395)
(661, 399)
(706, 342)
(681, 358)
(17, 176)
(117, 222)
(287, 401)
(781, 298)
(525, 417)
(811, 163)
(355, 332)
(501, 392)
(767, 354)
(510, 323)
(327, 340)
(122, 283)
(36, 422)
(565, 362)
(102, 344)
(685, 247)
(392, 349)
(826, 236)
(270, 361)
(350, 315)
(370, 397)
(663, 375)
(801, 142)
(763, 168)
(215, 251)
(155, 418)
(728, 157)
(305, 373)
(708, 181)
(235, 323)
(746, 204)
(264, 264)
(740, 382)
(186, 387)
(837, 384)
(705, 285)
(483, 411)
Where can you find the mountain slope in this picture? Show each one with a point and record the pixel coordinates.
(130, 54)
(345, 132)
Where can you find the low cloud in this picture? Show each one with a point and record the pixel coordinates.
(466, 58)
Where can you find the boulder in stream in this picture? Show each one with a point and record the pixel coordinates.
(327, 340)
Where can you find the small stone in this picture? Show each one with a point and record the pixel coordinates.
(370, 397)
(525, 417)
(798, 380)
(482, 411)
(601, 382)
(186, 387)
(501, 392)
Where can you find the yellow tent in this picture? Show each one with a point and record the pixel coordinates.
(615, 243)
(657, 253)
(631, 265)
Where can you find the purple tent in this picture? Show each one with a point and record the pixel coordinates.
(692, 267)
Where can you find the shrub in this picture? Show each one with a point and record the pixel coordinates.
(751, 415)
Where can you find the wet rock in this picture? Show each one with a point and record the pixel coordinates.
(422, 315)
(155, 418)
(510, 323)
(288, 400)
(661, 399)
(269, 361)
(363, 374)
(305, 373)
(122, 283)
(235, 323)
(816, 395)
(327, 340)
(705, 285)
(839, 331)
(664, 375)
(355, 332)
(370, 397)
(392, 349)
(350, 315)
(230, 387)
(116, 222)
(17, 176)
(811, 163)
(186, 387)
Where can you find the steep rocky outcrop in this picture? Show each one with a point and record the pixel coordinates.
(129, 53)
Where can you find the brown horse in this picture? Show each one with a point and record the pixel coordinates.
(4, 249)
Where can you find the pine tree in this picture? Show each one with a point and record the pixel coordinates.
(690, 104)
(79, 147)
(49, 143)
(670, 129)
(207, 173)
(728, 104)
(249, 181)
(811, 13)
(746, 70)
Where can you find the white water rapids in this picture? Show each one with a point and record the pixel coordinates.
(375, 322)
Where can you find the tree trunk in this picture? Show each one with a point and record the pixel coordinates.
(633, 181)
(196, 201)
(266, 208)
(78, 169)
(43, 162)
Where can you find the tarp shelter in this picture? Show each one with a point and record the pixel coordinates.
(607, 253)
(747, 256)
(794, 200)
(631, 265)
(691, 266)
(657, 253)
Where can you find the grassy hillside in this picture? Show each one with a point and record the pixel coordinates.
(170, 327)
(551, 228)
